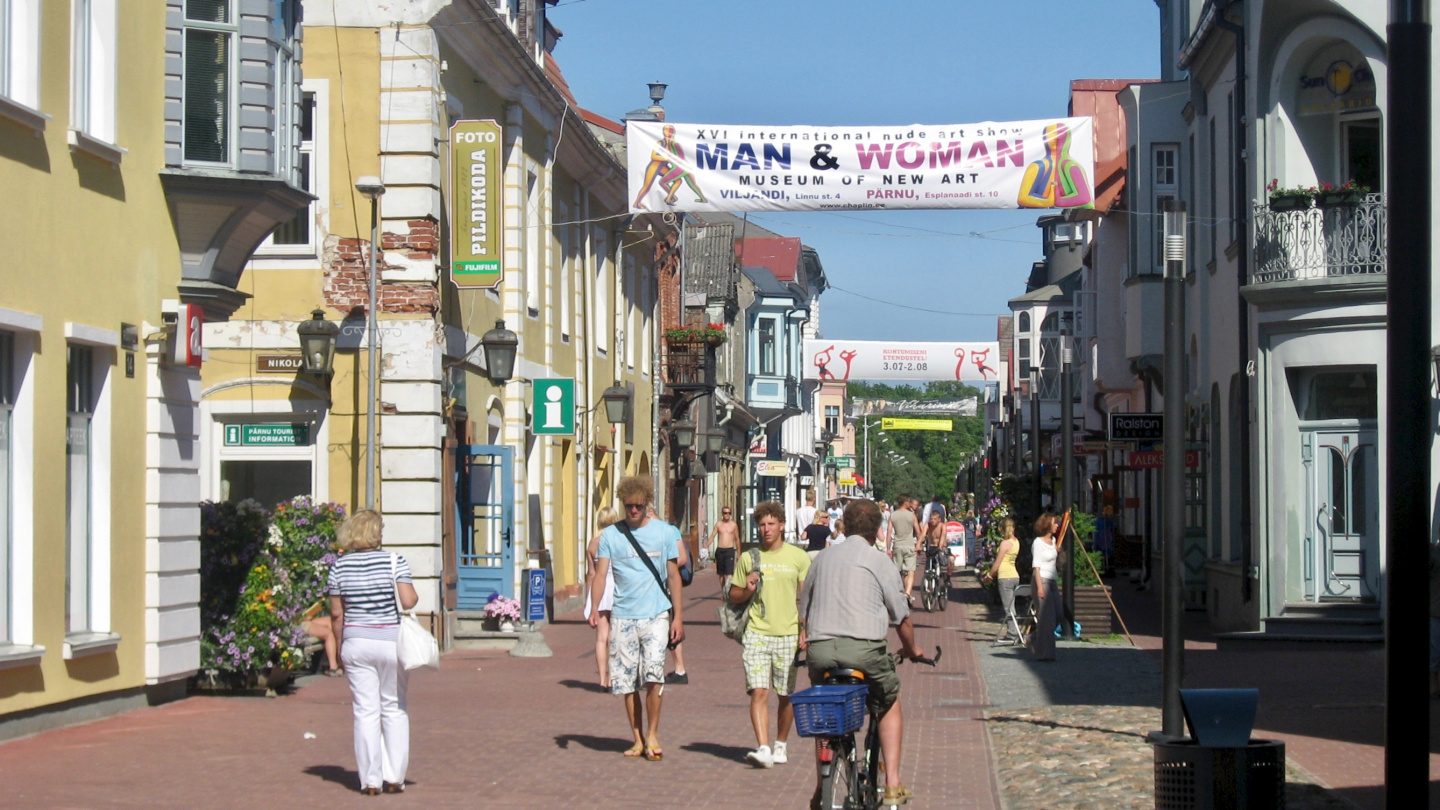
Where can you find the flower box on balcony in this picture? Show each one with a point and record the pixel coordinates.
(708, 335)
(1289, 202)
(1335, 199)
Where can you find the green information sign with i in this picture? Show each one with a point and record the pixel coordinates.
(279, 435)
(553, 407)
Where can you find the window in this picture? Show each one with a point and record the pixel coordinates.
(531, 238)
(1024, 357)
(1232, 182)
(1362, 144)
(80, 412)
(564, 235)
(20, 52)
(1024, 322)
(298, 234)
(630, 314)
(1166, 187)
(604, 324)
(7, 407)
(92, 69)
(767, 346)
(1134, 230)
(210, 33)
(1190, 220)
(289, 114)
(832, 419)
(1213, 211)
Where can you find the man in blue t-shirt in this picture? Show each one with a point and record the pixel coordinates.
(646, 615)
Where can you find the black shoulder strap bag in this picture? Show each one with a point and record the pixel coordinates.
(655, 572)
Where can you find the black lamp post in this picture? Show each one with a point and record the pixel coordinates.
(500, 345)
(715, 441)
(617, 403)
(684, 431)
(317, 344)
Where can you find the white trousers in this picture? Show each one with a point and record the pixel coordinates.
(382, 727)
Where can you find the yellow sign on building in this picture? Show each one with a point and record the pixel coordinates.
(475, 224)
(895, 423)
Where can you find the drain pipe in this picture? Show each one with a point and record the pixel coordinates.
(1242, 272)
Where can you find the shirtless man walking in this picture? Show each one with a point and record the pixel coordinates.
(726, 539)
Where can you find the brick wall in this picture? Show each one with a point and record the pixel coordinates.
(347, 271)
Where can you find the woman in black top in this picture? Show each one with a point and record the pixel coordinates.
(817, 534)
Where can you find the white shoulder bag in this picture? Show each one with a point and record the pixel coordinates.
(414, 645)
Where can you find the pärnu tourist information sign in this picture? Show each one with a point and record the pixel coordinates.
(475, 191)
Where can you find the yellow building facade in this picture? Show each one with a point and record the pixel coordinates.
(472, 494)
(111, 266)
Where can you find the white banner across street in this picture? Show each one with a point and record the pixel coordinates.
(900, 360)
(699, 167)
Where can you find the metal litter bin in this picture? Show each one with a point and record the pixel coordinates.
(1221, 767)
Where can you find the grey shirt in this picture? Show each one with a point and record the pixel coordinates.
(852, 591)
(903, 521)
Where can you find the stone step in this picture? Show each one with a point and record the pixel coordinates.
(1259, 639)
(1347, 608)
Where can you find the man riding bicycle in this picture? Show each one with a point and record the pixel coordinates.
(849, 593)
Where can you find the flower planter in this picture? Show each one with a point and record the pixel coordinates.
(1092, 610)
(1337, 199)
(1289, 202)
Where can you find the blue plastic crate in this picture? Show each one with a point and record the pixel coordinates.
(823, 711)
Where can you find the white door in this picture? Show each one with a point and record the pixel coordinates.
(1342, 554)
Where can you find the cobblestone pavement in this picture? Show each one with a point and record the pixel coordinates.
(1071, 734)
(490, 730)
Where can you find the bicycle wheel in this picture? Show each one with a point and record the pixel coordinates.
(927, 595)
(835, 789)
(944, 592)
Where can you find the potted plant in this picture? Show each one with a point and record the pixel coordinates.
(711, 334)
(1289, 199)
(503, 610)
(1349, 193)
(1092, 607)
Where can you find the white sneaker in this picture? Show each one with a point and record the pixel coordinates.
(777, 755)
(761, 757)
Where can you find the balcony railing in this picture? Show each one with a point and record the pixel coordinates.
(689, 366)
(1311, 243)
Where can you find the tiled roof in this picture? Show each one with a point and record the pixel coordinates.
(552, 72)
(780, 255)
(600, 121)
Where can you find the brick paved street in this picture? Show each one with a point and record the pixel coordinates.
(494, 731)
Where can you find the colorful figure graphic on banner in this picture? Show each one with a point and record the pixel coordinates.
(960, 353)
(668, 171)
(847, 356)
(822, 359)
(978, 359)
(1055, 180)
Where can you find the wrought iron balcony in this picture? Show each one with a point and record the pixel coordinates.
(689, 366)
(1320, 242)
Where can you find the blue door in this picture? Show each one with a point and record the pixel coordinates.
(484, 524)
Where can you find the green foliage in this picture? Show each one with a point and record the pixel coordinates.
(1083, 525)
(935, 457)
(280, 569)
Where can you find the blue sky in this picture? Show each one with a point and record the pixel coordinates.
(854, 62)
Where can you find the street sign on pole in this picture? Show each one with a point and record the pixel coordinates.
(534, 594)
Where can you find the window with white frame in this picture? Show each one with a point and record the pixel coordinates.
(766, 348)
(564, 236)
(80, 414)
(289, 100)
(297, 235)
(1164, 188)
(630, 312)
(832, 419)
(92, 69)
(1024, 322)
(1212, 211)
(602, 288)
(531, 240)
(7, 407)
(211, 32)
(20, 52)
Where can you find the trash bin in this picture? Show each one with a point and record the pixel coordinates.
(1221, 767)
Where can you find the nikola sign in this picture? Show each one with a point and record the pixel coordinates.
(1024, 164)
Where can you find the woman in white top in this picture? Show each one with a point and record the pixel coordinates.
(607, 516)
(1043, 553)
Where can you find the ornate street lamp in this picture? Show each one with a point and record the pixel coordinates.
(684, 431)
(500, 345)
(715, 441)
(317, 344)
(617, 403)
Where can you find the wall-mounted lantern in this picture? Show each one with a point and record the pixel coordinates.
(500, 345)
(317, 344)
(684, 432)
(617, 403)
(715, 441)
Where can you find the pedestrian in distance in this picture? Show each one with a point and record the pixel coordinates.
(1044, 551)
(364, 586)
(804, 516)
(1007, 578)
(904, 526)
(677, 675)
(817, 534)
(607, 516)
(850, 600)
(725, 543)
(772, 637)
(647, 613)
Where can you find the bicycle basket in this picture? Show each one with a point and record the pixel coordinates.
(823, 711)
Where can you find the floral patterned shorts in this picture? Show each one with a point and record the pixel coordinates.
(637, 652)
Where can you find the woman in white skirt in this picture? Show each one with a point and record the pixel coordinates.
(607, 516)
(363, 586)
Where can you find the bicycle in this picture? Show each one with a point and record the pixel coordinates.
(831, 712)
(935, 588)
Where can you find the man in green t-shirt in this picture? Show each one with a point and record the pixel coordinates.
(773, 635)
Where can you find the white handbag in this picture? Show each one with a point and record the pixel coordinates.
(414, 645)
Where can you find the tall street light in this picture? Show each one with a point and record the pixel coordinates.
(373, 189)
(1035, 431)
(1067, 472)
(1408, 426)
(1172, 487)
(868, 483)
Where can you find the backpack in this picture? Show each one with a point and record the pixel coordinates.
(735, 617)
